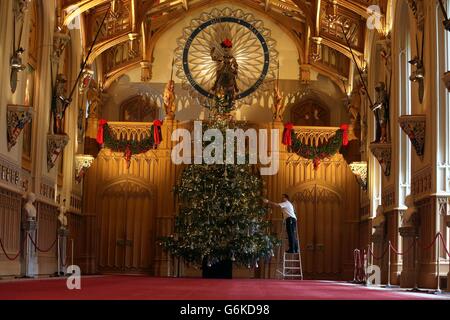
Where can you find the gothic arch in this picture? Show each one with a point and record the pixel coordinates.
(311, 112)
(149, 189)
(316, 182)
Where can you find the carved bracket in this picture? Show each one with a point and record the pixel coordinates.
(16, 119)
(414, 126)
(55, 145)
(359, 169)
(446, 79)
(82, 163)
(448, 221)
(383, 153)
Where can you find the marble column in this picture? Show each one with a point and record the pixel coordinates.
(30, 262)
(63, 234)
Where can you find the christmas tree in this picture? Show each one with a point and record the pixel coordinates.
(222, 216)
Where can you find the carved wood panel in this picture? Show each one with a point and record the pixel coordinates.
(126, 228)
(10, 218)
(319, 212)
(46, 236)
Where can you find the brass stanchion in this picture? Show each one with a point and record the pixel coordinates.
(438, 265)
(389, 265)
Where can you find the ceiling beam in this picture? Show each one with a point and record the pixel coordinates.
(76, 9)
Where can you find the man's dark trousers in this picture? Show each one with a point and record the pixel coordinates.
(291, 228)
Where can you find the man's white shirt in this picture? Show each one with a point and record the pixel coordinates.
(288, 209)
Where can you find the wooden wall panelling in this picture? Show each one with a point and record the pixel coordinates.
(10, 231)
(46, 236)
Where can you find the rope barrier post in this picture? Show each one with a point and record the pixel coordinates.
(59, 258)
(389, 265)
(438, 265)
(416, 265)
(72, 242)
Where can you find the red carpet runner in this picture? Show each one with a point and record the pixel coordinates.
(146, 288)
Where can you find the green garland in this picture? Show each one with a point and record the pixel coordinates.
(221, 105)
(134, 146)
(316, 154)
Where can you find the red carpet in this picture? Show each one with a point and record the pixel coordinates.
(146, 288)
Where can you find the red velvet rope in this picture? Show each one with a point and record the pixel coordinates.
(401, 253)
(378, 258)
(432, 243)
(6, 255)
(443, 243)
(40, 250)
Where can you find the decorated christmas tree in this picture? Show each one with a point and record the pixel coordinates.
(222, 217)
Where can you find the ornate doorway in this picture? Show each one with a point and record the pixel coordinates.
(319, 212)
(126, 244)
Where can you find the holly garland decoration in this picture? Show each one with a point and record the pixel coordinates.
(106, 139)
(316, 154)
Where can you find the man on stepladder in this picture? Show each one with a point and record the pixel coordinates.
(291, 221)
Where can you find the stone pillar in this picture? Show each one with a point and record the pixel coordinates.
(379, 249)
(30, 262)
(409, 275)
(448, 275)
(63, 233)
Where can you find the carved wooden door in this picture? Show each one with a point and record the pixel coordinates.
(319, 212)
(126, 224)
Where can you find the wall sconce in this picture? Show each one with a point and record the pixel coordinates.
(316, 54)
(82, 163)
(359, 169)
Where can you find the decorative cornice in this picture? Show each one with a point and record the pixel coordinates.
(383, 153)
(11, 176)
(415, 128)
(421, 183)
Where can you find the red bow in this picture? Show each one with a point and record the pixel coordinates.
(157, 132)
(287, 134)
(101, 124)
(227, 43)
(344, 128)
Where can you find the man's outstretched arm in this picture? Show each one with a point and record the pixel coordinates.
(272, 204)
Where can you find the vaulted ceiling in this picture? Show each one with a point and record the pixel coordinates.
(132, 28)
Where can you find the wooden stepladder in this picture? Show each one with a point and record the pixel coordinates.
(289, 264)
